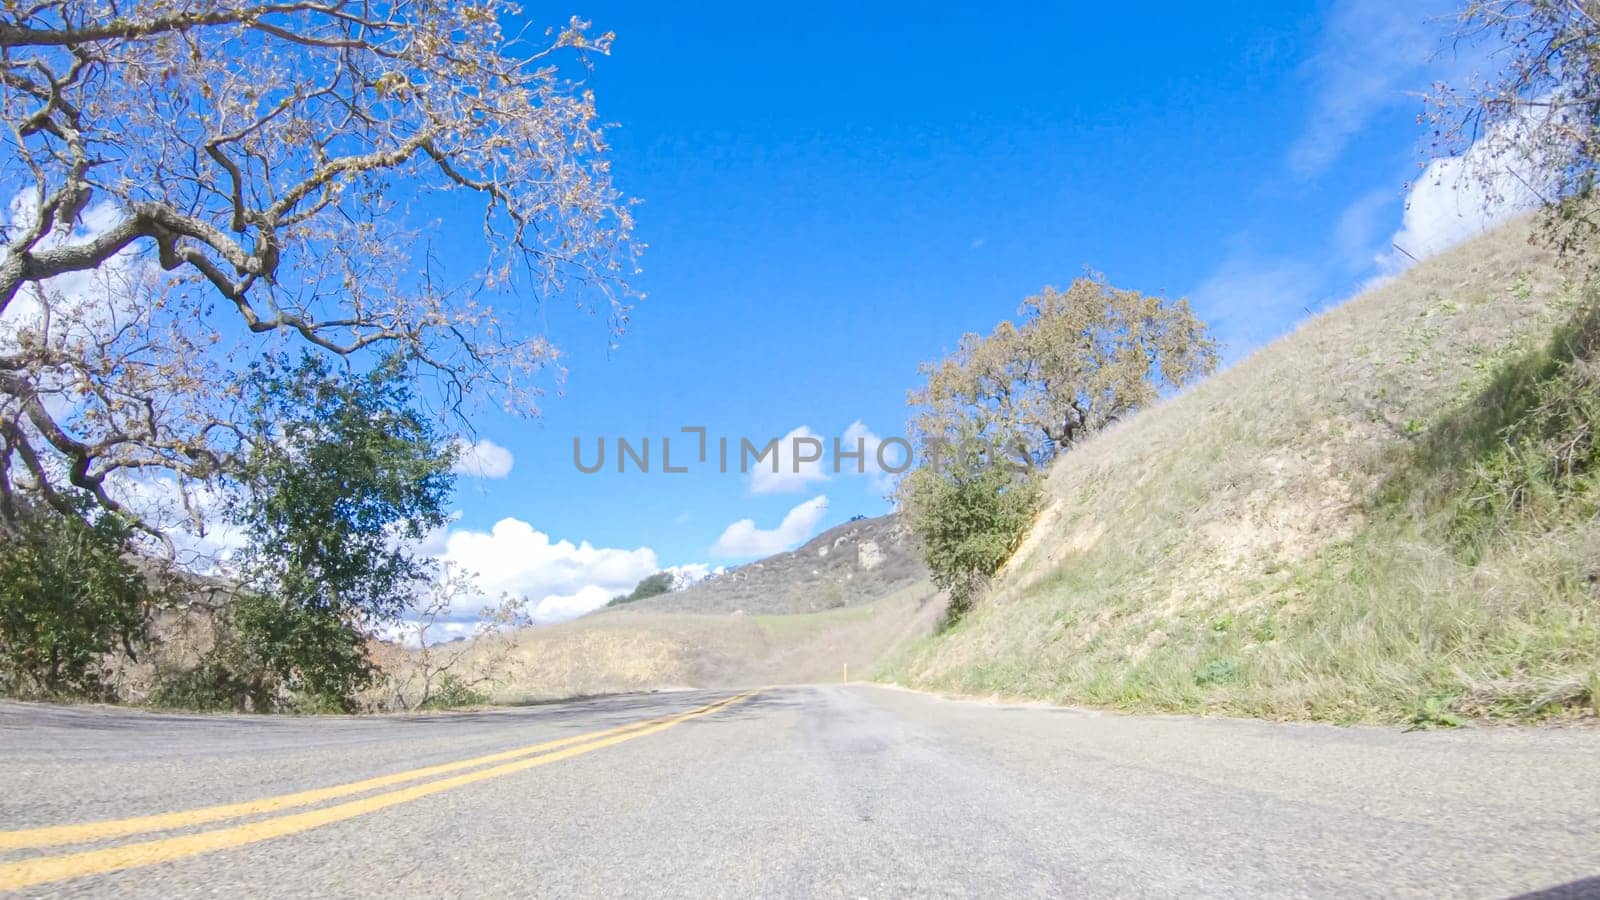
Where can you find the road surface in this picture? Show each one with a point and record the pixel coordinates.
(837, 791)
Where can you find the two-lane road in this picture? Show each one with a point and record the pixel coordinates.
(798, 791)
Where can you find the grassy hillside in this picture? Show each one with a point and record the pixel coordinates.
(639, 649)
(1333, 528)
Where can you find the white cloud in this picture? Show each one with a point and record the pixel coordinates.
(1362, 225)
(836, 456)
(433, 543)
(790, 472)
(692, 573)
(561, 580)
(410, 634)
(561, 607)
(1457, 198)
(86, 305)
(192, 518)
(1250, 300)
(482, 458)
(859, 437)
(743, 538)
(73, 310)
(1374, 55)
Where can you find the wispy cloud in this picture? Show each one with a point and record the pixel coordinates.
(1250, 299)
(1373, 55)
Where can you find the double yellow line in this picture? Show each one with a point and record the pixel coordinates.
(41, 870)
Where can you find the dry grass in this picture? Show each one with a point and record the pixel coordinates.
(630, 650)
(1226, 550)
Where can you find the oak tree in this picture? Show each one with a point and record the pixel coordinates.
(1080, 359)
(1010, 401)
(193, 184)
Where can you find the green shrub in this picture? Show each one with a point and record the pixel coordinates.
(68, 597)
(968, 521)
(649, 586)
(453, 693)
(271, 655)
(310, 653)
(214, 685)
(344, 475)
(1217, 671)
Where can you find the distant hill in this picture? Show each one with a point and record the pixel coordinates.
(851, 564)
(631, 648)
(850, 598)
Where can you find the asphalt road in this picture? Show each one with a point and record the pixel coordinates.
(796, 791)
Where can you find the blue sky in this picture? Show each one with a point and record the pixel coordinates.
(834, 193)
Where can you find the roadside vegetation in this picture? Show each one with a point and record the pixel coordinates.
(1392, 514)
(68, 595)
(218, 316)
(1388, 515)
(648, 586)
(1005, 405)
(345, 478)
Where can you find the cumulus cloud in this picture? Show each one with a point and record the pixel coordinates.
(743, 538)
(836, 456)
(692, 573)
(859, 437)
(482, 458)
(561, 607)
(1498, 177)
(192, 518)
(561, 580)
(793, 469)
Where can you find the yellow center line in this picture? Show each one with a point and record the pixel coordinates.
(27, 873)
(56, 835)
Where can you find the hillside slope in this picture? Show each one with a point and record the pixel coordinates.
(641, 649)
(1280, 540)
(851, 596)
(857, 562)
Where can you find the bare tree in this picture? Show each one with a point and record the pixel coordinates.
(472, 660)
(193, 183)
(1535, 114)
